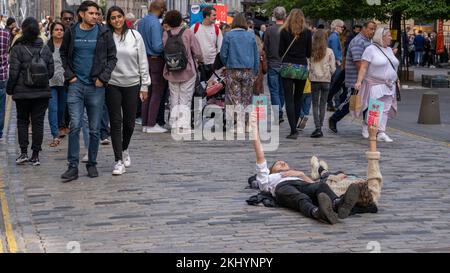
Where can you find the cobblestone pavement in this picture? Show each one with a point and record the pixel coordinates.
(190, 197)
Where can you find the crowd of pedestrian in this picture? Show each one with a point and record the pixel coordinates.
(102, 75)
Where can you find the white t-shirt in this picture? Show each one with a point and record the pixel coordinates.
(210, 42)
(381, 69)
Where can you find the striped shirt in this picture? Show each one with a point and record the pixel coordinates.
(354, 54)
(4, 43)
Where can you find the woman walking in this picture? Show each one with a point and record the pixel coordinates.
(129, 81)
(181, 82)
(240, 55)
(29, 89)
(58, 100)
(377, 78)
(322, 67)
(295, 50)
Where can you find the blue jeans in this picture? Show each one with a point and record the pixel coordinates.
(419, 57)
(2, 106)
(306, 105)
(85, 129)
(276, 89)
(56, 109)
(92, 98)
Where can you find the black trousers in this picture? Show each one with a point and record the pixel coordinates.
(121, 100)
(34, 110)
(293, 92)
(301, 196)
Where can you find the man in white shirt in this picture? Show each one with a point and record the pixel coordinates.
(210, 38)
(293, 189)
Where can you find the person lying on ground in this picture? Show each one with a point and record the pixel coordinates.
(293, 189)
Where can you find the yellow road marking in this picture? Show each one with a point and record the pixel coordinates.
(10, 238)
(7, 115)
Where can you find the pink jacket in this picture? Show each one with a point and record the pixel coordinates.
(192, 48)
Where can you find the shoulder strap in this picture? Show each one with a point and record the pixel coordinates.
(26, 48)
(196, 27)
(181, 32)
(393, 67)
(216, 28)
(132, 32)
(284, 55)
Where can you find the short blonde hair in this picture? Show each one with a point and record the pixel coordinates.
(379, 35)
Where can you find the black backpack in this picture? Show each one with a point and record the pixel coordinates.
(36, 73)
(175, 52)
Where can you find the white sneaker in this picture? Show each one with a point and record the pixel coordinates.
(138, 121)
(365, 131)
(156, 129)
(315, 168)
(144, 129)
(119, 168)
(126, 158)
(384, 137)
(85, 158)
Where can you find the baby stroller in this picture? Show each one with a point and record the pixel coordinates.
(215, 96)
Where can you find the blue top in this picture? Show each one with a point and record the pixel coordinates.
(83, 53)
(239, 50)
(151, 31)
(419, 43)
(335, 44)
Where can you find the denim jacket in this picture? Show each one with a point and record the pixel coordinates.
(239, 50)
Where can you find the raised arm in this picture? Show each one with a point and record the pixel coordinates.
(256, 140)
(374, 178)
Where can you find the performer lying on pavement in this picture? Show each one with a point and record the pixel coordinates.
(293, 189)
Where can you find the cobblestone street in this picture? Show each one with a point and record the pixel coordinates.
(190, 197)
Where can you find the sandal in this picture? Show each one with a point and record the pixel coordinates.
(55, 142)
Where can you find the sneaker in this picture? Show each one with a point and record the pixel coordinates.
(324, 166)
(34, 160)
(384, 137)
(332, 125)
(138, 121)
(23, 157)
(293, 136)
(70, 174)
(315, 168)
(365, 131)
(155, 129)
(346, 203)
(302, 123)
(105, 141)
(119, 168)
(92, 171)
(144, 129)
(326, 213)
(317, 133)
(85, 158)
(126, 158)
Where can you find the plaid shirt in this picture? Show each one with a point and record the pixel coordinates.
(4, 42)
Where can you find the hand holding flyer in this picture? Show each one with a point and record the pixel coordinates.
(375, 112)
(260, 105)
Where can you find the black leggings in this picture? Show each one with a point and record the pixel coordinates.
(293, 92)
(121, 100)
(34, 110)
(301, 196)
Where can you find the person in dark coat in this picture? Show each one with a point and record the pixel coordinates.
(31, 101)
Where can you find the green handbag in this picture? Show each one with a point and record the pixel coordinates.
(293, 71)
